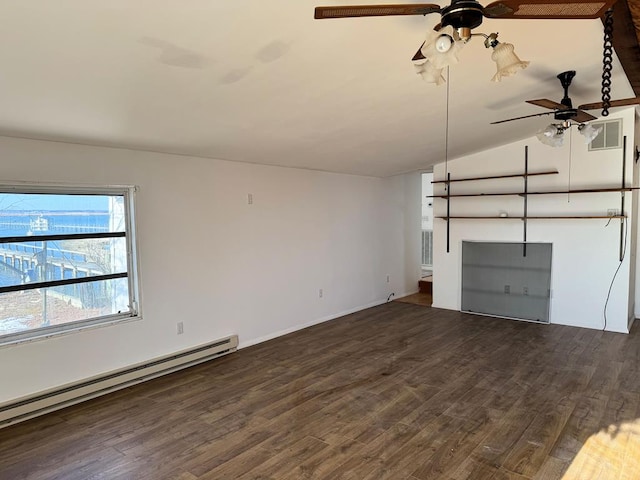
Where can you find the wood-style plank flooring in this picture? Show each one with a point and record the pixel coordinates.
(424, 299)
(398, 392)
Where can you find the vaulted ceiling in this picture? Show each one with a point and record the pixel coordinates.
(262, 81)
(626, 38)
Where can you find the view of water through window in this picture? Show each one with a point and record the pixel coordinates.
(8, 276)
(29, 256)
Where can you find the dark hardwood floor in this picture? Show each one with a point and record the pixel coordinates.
(398, 392)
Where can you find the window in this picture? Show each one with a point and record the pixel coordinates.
(609, 137)
(66, 259)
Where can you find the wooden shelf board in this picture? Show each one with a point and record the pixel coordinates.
(536, 217)
(550, 192)
(512, 175)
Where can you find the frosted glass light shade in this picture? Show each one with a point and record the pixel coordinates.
(551, 135)
(507, 62)
(428, 73)
(434, 47)
(589, 132)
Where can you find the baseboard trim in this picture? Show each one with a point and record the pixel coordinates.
(47, 401)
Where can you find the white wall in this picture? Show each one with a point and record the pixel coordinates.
(585, 253)
(403, 210)
(218, 264)
(427, 203)
(412, 211)
(635, 286)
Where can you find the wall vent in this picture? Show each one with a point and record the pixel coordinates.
(609, 137)
(70, 394)
(427, 247)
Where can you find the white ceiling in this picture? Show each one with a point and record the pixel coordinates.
(262, 81)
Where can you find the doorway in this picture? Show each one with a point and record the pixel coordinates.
(427, 225)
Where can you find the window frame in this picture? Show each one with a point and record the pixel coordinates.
(128, 193)
(604, 124)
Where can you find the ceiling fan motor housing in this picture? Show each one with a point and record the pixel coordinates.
(463, 14)
(566, 114)
(565, 80)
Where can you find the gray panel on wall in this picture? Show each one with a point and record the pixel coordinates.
(498, 279)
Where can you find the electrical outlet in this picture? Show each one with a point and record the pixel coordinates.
(180, 328)
(525, 290)
(612, 212)
(507, 289)
(320, 293)
(250, 199)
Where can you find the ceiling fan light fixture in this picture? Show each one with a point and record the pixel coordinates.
(552, 135)
(441, 47)
(507, 62)
(443, 43)
(428, 73)
(589, 132)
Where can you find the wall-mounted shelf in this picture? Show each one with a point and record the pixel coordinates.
(550, 192)
(533, 217)
(525, 194)
(493, 177)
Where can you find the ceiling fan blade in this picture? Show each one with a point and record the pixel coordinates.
(376, 10)
(546, 103)
(583, 117)
(520, 118)
(547, 9)
(613, 103)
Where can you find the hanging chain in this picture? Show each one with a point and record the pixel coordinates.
(607, 62)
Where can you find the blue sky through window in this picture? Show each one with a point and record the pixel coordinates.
(49, 202)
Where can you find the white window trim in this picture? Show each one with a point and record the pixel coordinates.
(603, 124)
(133, 267)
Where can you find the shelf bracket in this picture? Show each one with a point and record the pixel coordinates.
(524, 196)
(622, 219)
(448, 207)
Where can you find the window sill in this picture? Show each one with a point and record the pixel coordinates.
(20, 338)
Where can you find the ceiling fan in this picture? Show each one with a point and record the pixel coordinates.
(564, 111)
(457, 21)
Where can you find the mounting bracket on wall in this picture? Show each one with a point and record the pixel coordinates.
(624, 181)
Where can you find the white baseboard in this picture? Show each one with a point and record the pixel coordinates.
(31, 406)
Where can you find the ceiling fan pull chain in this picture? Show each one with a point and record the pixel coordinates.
(607, 62)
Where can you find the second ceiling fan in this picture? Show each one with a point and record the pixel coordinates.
(565, 111)
(567, 115)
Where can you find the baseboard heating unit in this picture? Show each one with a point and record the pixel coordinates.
(70, 394)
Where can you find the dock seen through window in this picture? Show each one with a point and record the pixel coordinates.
(66, 259)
